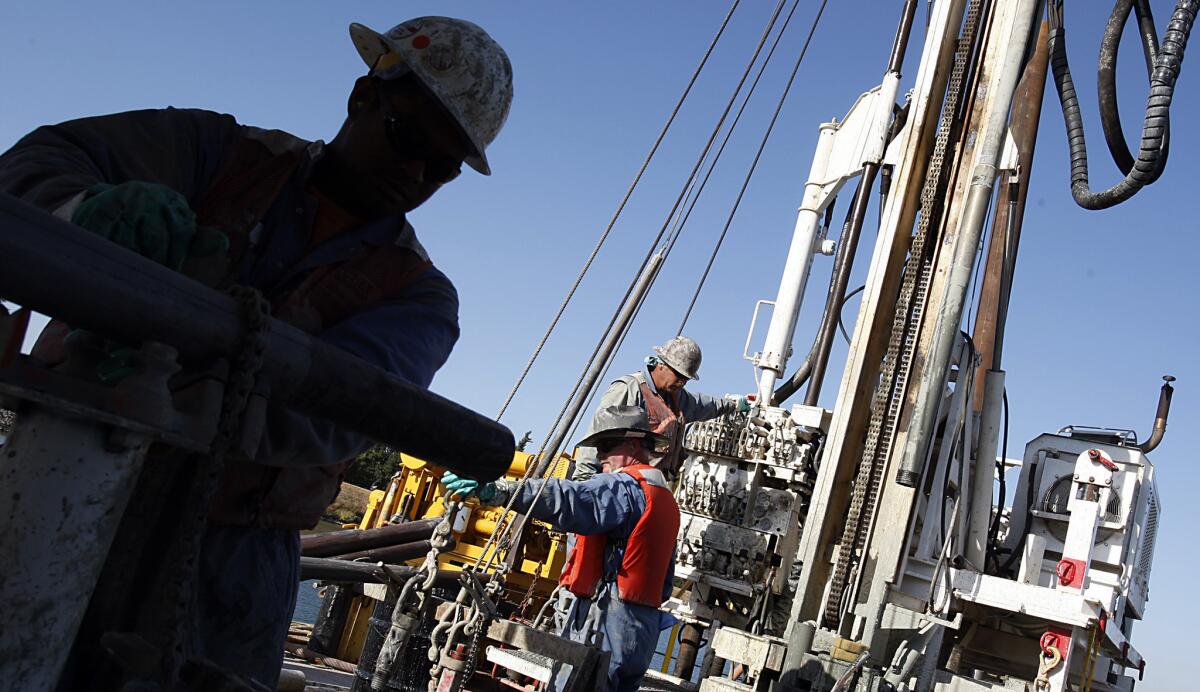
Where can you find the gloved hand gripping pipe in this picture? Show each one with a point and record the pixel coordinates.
(1162, 89)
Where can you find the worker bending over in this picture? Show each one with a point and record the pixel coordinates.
(320, 230)
(658, 389)
(623, 561)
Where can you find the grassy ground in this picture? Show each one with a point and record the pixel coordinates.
(350, 504)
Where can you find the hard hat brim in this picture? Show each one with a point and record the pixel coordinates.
(372, 45)
(622, 434)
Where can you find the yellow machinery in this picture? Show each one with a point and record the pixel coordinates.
(414, 493)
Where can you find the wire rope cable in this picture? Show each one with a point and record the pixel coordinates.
(503, 531)
(667, 223)
(693, 198)
(754, 164)
(617, 214)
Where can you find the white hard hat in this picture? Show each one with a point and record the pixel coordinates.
(682, 355)
(460, 64)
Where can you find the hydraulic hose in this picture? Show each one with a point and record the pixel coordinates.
(798, 378)
(836, 297)
(1162, 89)
(1106, 80)
(847, 248)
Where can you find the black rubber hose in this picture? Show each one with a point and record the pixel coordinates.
(798, 378)
(1106, 81)
(1158, 106)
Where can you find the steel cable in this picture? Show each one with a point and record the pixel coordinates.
(546, 454)
(754, 164)
(616, 215)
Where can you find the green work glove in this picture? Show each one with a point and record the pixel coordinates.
(745, 403)
(154, 221)
(458, 486)
(150, 219)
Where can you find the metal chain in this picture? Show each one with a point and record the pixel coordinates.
(238, 388)
(890, 392)
(405, 618)
(533, 580)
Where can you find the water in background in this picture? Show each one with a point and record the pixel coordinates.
(308, 599)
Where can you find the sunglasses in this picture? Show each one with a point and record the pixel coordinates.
(409, 142)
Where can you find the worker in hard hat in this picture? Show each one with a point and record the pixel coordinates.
(320, 229)
(659, 390)
(626, 521)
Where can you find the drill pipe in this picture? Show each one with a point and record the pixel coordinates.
(356, 540)
(392, 554)
(64, 271)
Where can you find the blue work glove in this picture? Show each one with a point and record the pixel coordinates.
(150, 219)
(745, 403)
(458, 486)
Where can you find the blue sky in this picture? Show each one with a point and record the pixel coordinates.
(1102, 303)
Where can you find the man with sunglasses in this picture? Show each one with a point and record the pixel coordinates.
(320, 230)
(626, 522)
(659, 390)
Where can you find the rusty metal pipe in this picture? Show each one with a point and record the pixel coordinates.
(392, 554)
(343, 571)
(1160, 417)
(61, 270)
(355, 540)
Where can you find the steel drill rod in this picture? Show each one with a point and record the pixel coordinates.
(329, 570)
(61, 270)
(390, 554)
(354, 540)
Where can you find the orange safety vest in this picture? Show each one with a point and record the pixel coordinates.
(667, 420)
(643, 571)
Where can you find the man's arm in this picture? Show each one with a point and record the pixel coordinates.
(605, 503)
(698, 406)
(619, 393)
(53, 165)
(410, 337)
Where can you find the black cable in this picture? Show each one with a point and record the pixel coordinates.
(1106, 80)
(994, 530)
(797, 379)
(1031, 478)
(842, 325)
(1158, 107)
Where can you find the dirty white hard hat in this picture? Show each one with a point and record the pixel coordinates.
(682, 355)
(457, 61)
(621, 422)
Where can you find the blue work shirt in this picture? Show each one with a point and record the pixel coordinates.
(608, 503)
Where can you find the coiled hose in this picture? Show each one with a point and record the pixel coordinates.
(1106, 80)
(1154, 129)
